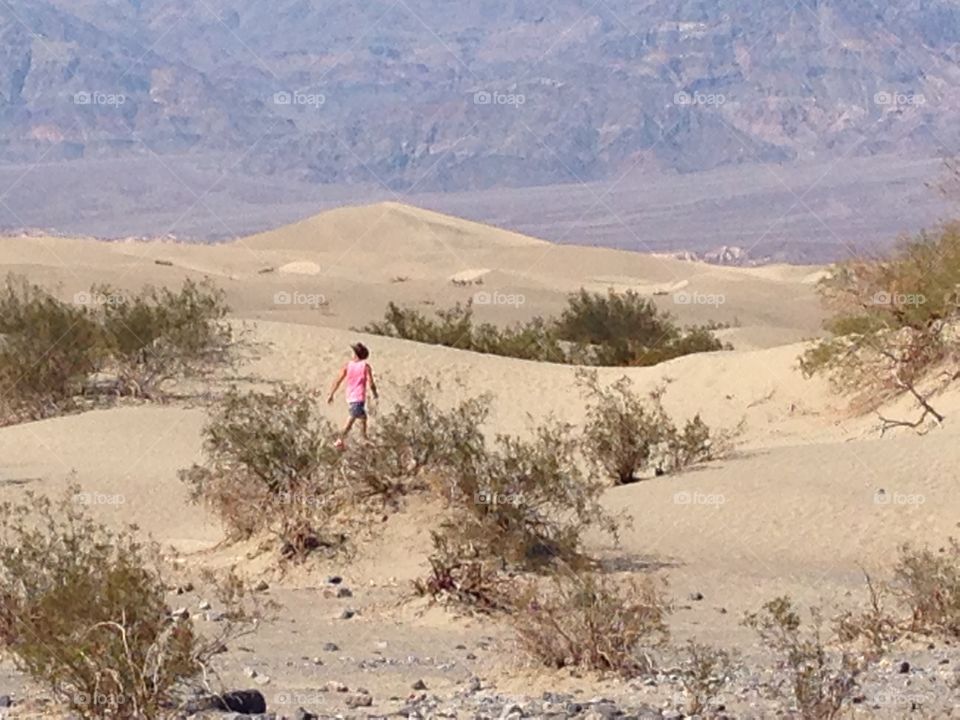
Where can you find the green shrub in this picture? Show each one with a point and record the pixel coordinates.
(47, 350)
(589, 621)
(270, 466)
(82, 611)
(595, 329)
(627, 435)
(159, 335)
(892, 321)
(526, 502)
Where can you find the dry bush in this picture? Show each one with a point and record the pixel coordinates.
(526, 502)
(627, 435)
(82, 611)
(468, 582)
(704, 672)
(270, 466)
(928, 584)
(893, 322)
(873, 626)
(417, 437)
(47, 349)
(158, 335)
(820, 683)
(589, 621)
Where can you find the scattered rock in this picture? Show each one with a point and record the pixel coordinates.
(696, 596)
(181, 613)
(334, 580)
(904, 668)
(302, 714)
(250, 672)
(245, 702)
(419, 685)
(358, 700)
(347, 614)
(344, 592)
(261, 586)
(6, 701)
(204, 605)
(330, 647)
(335, 686)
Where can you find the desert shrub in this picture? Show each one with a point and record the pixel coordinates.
(82, 611)
(892, 321)
(468, 582)
(526, 502)
(595, 329)
(589, 621)
(48, 348)
(158, 335)
(628, 329)
(416, 436)
(928, 584)
(873, 626)
(704, 672)
(270, 466)
(820, 684)
(627, 434)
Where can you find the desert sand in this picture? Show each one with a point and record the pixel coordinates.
(796, 510)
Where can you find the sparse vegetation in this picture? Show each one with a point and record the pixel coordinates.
(821, 682)
(928, 584)
(590, 621)
(595, 329)
(627, 435)
(50, 350)
(82, 611)
(270, 467)
(704, 672)
(894, 322)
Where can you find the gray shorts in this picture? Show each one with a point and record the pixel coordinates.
(358, 410)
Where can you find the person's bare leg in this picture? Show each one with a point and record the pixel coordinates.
(346, 429)
(363, 426)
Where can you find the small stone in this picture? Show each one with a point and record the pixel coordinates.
(6, 701)
(335, 686)
(204, 605)
(261, 586)
(347, 614)
(474, 684)
(419, 685)
(262, 679)
(181, 613)
(302, 714)
(317, 661)
(358, 700)
(334, 580)
(245, 702)
(696, 596)
(330, 647)
(344, 592)
(250, 672)
(904, 668)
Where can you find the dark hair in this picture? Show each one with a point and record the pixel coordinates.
(361, 350)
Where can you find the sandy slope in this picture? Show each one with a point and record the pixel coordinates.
(796, 510)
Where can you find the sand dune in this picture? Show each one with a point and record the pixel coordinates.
(811, 495)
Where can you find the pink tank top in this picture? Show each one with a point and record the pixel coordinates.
(356, 381)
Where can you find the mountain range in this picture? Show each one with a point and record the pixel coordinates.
(421, 95)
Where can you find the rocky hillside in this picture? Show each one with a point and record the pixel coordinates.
(426, 95)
